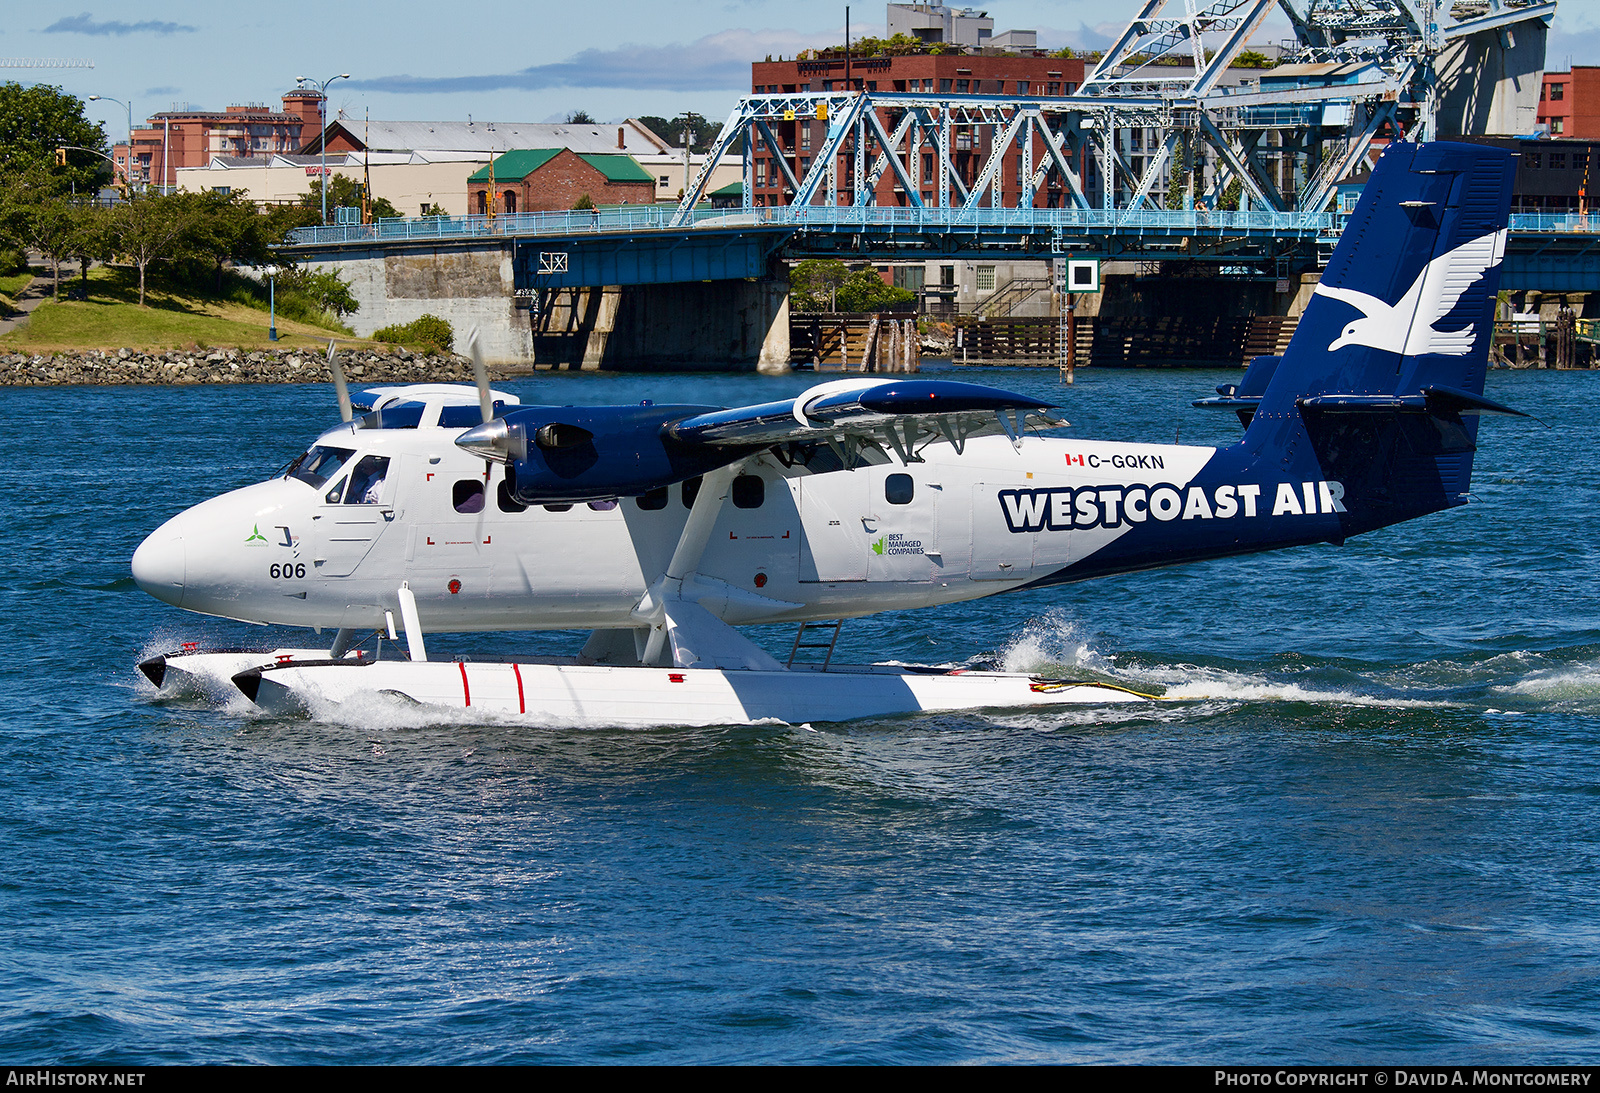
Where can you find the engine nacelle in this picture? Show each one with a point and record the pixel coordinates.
(567, 454)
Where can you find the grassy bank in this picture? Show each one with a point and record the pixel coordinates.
(177, 316)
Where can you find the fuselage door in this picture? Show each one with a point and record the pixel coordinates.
(833, 537)
(352, 515)
(900, 525)
(998, 552)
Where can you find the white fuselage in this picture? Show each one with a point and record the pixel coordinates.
(797, 547)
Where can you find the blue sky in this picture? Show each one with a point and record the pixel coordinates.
(416, 61)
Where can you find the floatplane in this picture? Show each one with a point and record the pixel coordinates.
(662, 528)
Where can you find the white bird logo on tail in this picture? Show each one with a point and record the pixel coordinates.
(1407, 327)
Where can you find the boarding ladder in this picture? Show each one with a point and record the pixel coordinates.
(800, 642)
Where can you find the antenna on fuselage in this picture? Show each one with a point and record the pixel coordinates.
(340, 388)
(480, 374)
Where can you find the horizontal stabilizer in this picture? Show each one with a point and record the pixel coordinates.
(1431, 400)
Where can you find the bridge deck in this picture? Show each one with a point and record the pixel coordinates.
(640, 245)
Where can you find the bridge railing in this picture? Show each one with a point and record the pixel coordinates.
(1556, 223)
(630, 218)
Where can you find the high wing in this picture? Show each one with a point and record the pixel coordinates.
(573, 453)
(896, 412)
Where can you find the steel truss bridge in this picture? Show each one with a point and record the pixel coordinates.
(1361, 69)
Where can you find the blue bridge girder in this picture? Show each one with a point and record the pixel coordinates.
(641, 245)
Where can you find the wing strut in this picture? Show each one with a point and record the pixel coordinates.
(413, 625)
(697, 637)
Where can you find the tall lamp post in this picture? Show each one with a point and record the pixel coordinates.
(323, 140)
(272, 301)
(127, 166)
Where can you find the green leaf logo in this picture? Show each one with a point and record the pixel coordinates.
(879, 543)
(255, 534)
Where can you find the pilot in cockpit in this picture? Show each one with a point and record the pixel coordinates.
(366, 481)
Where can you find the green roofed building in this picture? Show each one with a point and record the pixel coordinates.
(550, 179)
(730, 196)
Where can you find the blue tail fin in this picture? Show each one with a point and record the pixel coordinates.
(1380, 387)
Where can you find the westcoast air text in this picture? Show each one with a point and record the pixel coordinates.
(1062, 508)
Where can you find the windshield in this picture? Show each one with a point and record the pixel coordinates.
(319, 464)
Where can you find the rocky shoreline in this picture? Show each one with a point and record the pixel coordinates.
(116, 367)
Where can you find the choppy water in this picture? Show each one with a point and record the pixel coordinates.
(1368, 833)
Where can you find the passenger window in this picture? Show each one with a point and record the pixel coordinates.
(332, 496)
(366, 481)
(467, 496)
(654, 500)
(749, 491)
(691, 490)
(898, 489)
(558, 508)
(508, 501)
(602, 506)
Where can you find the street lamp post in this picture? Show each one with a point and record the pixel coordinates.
(323, 107)
(127, 165)
(272, 301)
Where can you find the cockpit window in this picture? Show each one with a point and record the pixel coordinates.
(366, 481)
(464, 417)
(396, 415)
(318, 465)
(408, 415)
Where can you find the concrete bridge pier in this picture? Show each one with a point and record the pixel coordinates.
(466, 285)
(718, 324)
(737, 324)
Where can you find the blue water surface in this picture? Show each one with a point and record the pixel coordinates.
(1365, 832)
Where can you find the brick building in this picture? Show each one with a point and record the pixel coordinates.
(189, 138)
(1569, 102)
(1014, 75)
(1553, 176)
(552, 179)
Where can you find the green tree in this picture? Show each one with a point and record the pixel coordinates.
(37, 120)
(813, 283)
(1179, 165)
(1252, 59)
(347, 192)
(580, 117)
(91, 239)
(323, 287)
(864, 290)
(703, 133)
(150, 228)
(35, 215)
(225, 228)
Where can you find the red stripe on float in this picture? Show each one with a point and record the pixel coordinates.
(466, 692)
(522, 707)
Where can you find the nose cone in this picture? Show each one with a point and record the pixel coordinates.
(491, 440)
(158, 564)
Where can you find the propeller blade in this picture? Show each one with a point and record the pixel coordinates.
(480, 374)
(340, 388)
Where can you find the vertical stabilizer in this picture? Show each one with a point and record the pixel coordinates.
(1393, 348)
